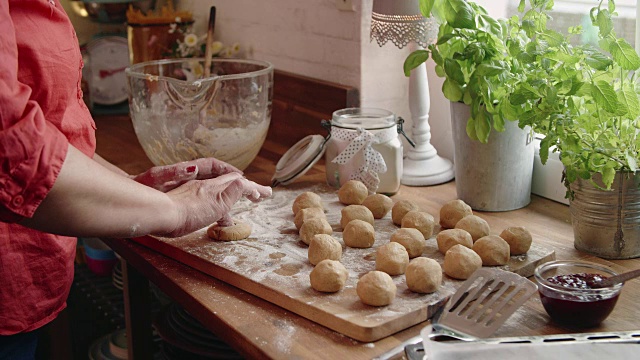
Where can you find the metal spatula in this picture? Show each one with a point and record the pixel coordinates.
(483, 303)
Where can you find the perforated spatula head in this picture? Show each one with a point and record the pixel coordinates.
(483, 303)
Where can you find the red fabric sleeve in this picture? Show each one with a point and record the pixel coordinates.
(31, 149)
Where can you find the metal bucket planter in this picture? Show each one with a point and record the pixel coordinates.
(607, 223)
(495, 176)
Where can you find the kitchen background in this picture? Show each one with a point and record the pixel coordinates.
(319, 39)
(322, 39)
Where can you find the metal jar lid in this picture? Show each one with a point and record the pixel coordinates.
(299, 159)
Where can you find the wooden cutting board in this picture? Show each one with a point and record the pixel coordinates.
(272, 264)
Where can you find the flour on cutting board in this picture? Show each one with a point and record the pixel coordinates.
(274, 260)
(275, 256)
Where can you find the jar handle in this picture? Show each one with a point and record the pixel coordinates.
(326, 124)
(401, 131)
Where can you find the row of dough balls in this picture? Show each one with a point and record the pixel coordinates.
(467, 242)
(376, 288)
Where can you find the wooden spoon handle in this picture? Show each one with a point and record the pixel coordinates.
(620, 278)
(207, 48)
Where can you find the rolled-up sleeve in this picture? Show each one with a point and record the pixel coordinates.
(32, 150)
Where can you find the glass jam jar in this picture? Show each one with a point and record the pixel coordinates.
(364, 145)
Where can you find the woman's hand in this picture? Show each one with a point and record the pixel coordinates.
(169, 177)
(201, 203)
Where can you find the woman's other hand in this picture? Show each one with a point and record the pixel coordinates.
(169, 177)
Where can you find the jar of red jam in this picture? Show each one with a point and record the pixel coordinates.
(569, 296)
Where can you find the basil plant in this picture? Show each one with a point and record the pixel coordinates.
(584, 99)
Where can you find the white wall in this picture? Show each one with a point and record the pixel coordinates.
(315, 39)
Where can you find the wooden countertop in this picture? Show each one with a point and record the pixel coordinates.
(273, 332)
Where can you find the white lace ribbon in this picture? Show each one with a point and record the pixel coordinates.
(361, 140)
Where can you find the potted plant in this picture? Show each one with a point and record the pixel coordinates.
(585, 100)
(493, 157)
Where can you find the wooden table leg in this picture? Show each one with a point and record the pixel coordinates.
(137, 304)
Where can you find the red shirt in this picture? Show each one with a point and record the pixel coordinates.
(41, 112)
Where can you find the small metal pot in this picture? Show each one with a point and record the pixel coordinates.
(607, 223)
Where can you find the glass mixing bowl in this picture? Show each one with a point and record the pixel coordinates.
(567, 296)
(179, 115)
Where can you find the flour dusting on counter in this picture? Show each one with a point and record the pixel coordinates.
(272, 263)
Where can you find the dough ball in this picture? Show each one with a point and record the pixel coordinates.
(423, 221)
(322, 247)
(353, 192)
(306, 214)
(306, 200)
(392, 258)
(353, 212)
(411, 239)
(328, 276)
(376, 288)
(518, 238)
(452, 211)
(312, 227)
(400, 209)
(460, 262)
(474, 225)
(493, 250)
(359, 234)
(450, 237)
(238, 231)
(379, 205)
(423, 275)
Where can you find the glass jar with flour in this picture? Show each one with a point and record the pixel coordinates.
(364, 145)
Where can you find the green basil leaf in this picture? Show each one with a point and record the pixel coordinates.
(545, 144)
(445, 38)
(598, 60)
(451, 90)
(467, 99)
(435, 55)
(624, 54)
(498, 122)
(489, 24)
(464, 19)
(508, 111)
(414, 60)
(440, 71)
(552, 38)
(483, 126)
(488, 70)
(454, 71)
(471, 129)
(449, 10)
(629, 98)
(608, 174)
(604, 22)
(604, 94)
(426, 6)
